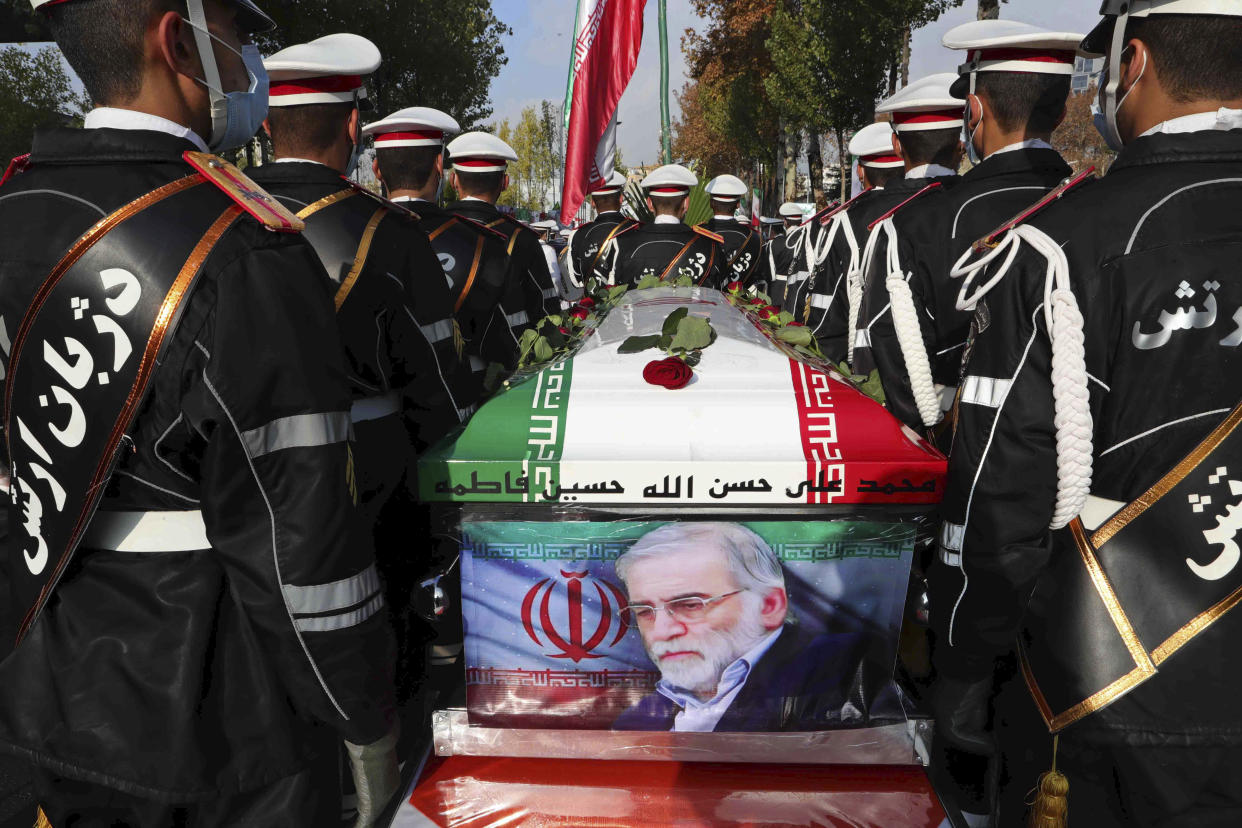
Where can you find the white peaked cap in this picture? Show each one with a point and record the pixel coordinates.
(546, 224)
(873, 145)
(1011, 46)
(480, 152)
(326, 70)
(790, 210)
(726, 187)
(925, 104)
(670, 179)
(1096, 41)
(415, 126)
(613, 184)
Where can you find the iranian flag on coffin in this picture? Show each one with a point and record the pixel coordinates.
(757, 426)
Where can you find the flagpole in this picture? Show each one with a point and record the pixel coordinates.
(666, 143)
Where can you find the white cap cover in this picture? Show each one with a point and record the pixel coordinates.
(415, 126)
(671, 179)
(615, 182)
(790, 210)
(726, 188)
(480, 152)
(873, 146)
(925, 104)
(326, 70)
(1011, 46)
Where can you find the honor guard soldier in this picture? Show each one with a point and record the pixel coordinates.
(489, 308)
(545, 230)
(666, 248)
(200, 618)
(927, 127)
(1015, 82)
(742, 246)
(479, 164)
(587, 241)
(1092, 509)
(788, 256)
(823, 302)
(409, 384)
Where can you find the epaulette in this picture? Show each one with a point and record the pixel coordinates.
(245, 193)
(935, 185)
(828, 213)
(992, 239)
(374, 196)
(17, 166)
(703, 231)
(481, 227)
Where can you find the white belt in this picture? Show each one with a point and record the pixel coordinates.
(1097, 510)
(951, 536)
(372, 408)
(947, 393)
(147, 532)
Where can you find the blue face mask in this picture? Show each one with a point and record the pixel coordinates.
(235, 116)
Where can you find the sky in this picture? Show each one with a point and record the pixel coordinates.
(538, 52)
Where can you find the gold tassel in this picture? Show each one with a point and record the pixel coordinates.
(1051, 806)
(459, 341)
(41, 820)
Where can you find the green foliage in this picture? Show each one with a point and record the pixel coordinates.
(637, 202)
(438, 53)
(35, 91)
(681, 336)
(536, 141)
(19, 23)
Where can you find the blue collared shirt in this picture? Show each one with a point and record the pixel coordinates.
(698, 716)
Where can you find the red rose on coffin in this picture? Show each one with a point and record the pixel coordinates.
(586, 302)
(733, 287)
(796, 325)
(563, 330)
(671, 373)
(769, 312)
(579, 313)
(756, 301)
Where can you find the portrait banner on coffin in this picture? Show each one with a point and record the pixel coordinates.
(772, 626)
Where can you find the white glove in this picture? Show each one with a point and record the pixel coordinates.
(376, 776)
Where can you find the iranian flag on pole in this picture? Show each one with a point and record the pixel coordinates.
(755, 208)
(609, 34)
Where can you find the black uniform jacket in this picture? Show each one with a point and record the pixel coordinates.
(666, 250)
(932, 233)
(587, 240)
(787, 262)
(743, 248)
(1158, 234)
(191, 674)
(527, 265)
(397, 318)
(486, 302)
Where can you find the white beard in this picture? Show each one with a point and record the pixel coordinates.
(718, 651)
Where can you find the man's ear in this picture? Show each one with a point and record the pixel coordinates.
(354, 127)
(440, 165)
(650, 206)
(862, 176)
(175, 44)
(774, 609)
(267, 127)
(504, 183)
(897, 147)
(375, 168)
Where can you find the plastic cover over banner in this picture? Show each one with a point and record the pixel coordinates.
(794, 626)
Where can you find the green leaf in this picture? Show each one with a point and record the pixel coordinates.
(635, 344)
(554, 318)
(616, 292)
(526, 342)
(672, 320)
(648, 281)
(795, 336)
(543, 350)
(692, 358)
(683, 281)
(693, 333)
(665, 343)
(784, 317)
(493, 376)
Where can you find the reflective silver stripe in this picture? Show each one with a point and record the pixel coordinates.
(781, 277)
(821, 301)
(147, 532)
(477, 364)
(297, 431)
(985, 391)
(464, 414)
(1097, 510)
(862, 339)
(548, 293)
(950, 558)
(443, 650)
(372, 408)
(947, 394)
(437, 331)
(951, 535)
(800, 276)
(335, 596)
(515, 319)
(328, 623)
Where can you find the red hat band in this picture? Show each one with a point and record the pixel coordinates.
(480, 164)
(1044, 62)
(327, 89)
(882, 160)
(932, 119)
(409, 138)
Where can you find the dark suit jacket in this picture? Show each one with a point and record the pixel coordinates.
(802, 682)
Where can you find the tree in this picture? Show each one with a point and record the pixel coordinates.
(694, 139)
(1077, 138)
(989, 9)
(534, 176)
(35, 91)
(438, 53)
